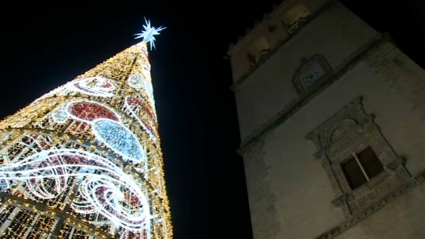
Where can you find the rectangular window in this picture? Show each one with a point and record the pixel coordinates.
(360, 168)
(370, 162)
(353, 173)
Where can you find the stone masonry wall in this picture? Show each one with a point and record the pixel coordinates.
(289, 192)
(263, 213)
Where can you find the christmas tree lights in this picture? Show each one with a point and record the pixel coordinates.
(84, 160)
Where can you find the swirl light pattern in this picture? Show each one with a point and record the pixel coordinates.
(104, 188)
(97, 86)
(84, 160)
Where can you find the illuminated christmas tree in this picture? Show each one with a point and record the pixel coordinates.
(84, 161)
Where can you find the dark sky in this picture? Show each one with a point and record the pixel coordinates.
(46, 45)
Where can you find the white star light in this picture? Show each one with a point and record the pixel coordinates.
(149, 33)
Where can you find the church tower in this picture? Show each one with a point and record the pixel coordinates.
(332, 124)
(84, 160)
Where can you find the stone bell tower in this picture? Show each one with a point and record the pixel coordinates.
(332, 123)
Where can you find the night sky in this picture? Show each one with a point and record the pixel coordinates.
(45, 45)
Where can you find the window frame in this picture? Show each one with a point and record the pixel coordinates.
(365, 167)
(349, 175)
(335, 146)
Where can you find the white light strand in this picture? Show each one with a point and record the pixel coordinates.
(96, 86)
(132, 109)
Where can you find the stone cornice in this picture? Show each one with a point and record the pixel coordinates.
(297, 104)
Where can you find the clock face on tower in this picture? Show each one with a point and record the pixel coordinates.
(311, 74)
(311, 77)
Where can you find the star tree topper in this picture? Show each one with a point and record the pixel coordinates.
(149, 33)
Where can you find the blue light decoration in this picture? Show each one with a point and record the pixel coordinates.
(136, 81)
(60, 115)
(119, 138)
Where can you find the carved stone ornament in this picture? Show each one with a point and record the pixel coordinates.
(350, 131)
(341, 200)
(311, 74)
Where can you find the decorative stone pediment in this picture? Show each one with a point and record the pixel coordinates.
(350, 131)
(348, 120)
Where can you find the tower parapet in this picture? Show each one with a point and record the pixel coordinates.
(276, 28)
